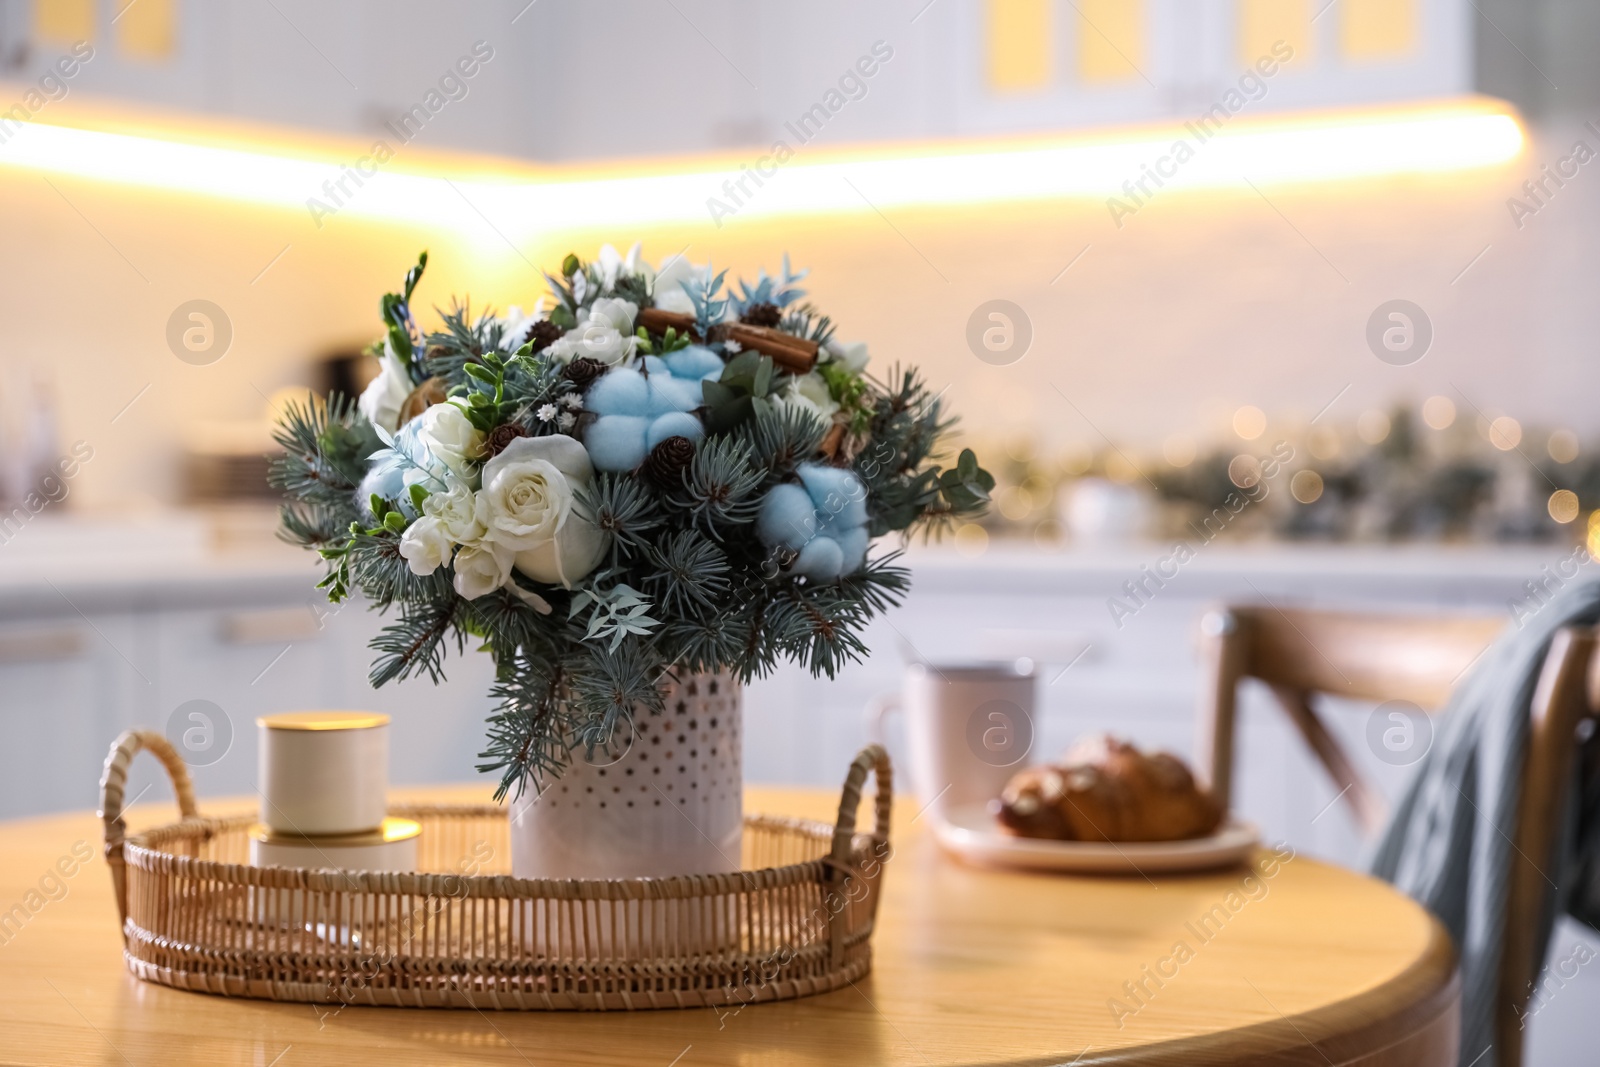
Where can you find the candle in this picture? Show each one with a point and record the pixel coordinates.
(323, 772)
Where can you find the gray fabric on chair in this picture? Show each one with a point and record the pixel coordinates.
(1449, 842)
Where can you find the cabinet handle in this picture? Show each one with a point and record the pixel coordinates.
(271, 627)
(33, 646)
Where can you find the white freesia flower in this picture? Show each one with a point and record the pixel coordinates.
(481, 570)
(528, 506)
(425, 546)
(451, 438)
(604, 334)
(668, 289)
(611, 264)
(810, 393)
(852, 356)
(456, 511)
(386, 394)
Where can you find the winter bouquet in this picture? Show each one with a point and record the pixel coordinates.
(650, 474)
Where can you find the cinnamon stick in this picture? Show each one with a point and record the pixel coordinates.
(794, 354)
(832, 443)
(657, 320)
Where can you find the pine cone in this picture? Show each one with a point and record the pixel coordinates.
(501, 436)
(667, 461)
(768, 315)
(543, 334)
(583, 370)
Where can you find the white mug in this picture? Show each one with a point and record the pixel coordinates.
(969, 727)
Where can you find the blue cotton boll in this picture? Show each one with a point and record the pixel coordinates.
(616, 442)
(787, 518)
(675, 424)
(671, 394)
(623, 391)
(695, 363)
(838, 494)
(852, 549)
(820, 560)
(385, 478)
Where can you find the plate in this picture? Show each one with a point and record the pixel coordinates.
(970, 832)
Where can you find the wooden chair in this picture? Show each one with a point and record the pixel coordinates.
(1297, 653)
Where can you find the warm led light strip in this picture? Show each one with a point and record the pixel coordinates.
(1433, 139)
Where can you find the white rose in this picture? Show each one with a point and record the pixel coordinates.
(852, 357)
(481, 570)
(452, 439)
(528, 507)
(456, 512)
(668, 288)
(604, 334)
(425, 546)
(383, 398)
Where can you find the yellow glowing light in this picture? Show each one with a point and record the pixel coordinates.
(1439, 412)
(1324, 442)
(1563, 505)
(1593, 540)
(1505, 433)
(1016, 503)
(1373, 427)
(1244, 470)
(1178, 451)
(971, 539)
(1563, 446)
(1306, 486)
(524, 200)
(1249, 422)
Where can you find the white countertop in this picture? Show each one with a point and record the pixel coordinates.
(60, 563)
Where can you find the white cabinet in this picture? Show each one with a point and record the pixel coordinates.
(633, 78)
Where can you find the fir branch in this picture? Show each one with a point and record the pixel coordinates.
(688, 573)
(624, 507)
(719, 486)
(415, 643)
(782, 438)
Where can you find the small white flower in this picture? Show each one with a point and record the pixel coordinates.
(667, 286)
(732, 347)
(382, 400)
(456, 512)
(852, 356)
(546, 412)
(573, 401)
(453, 441)
(567, 420)
(425, 546)
(482, 570)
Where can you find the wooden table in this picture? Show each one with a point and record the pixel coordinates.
(1298, 963)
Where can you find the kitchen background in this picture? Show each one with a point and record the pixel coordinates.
(281, 162)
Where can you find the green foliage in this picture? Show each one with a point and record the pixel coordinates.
(743, 390)
(402, 328)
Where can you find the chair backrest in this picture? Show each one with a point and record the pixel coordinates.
(1297, 653)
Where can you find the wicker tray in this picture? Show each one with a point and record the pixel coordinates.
(797, 920)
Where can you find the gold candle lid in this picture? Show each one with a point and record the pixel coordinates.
(393, 829)
(323, 720)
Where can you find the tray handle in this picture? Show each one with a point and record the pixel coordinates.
(112, 783)
(872, 759)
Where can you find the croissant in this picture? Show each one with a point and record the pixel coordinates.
(1107, 790)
